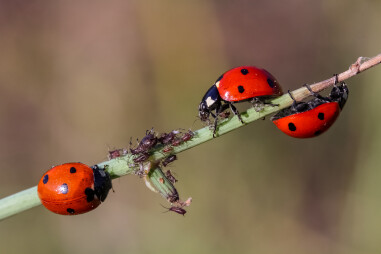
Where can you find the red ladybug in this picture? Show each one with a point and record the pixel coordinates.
(245, 83)
(73, 188)
(310, 119)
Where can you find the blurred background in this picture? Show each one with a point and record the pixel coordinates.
(79, 78)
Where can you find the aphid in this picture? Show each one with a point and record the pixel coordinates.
(174, 197)
(170, 177)
(142, 157)
(117, 153)
(167, 138)
(177, 142)
(149, 141)
(176, 209)
(187, 136)
(169, 159)
(167, 149)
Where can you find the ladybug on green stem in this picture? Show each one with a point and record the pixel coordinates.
(73, 188)
(245, 83)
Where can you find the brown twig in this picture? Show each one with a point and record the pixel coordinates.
(362, 64)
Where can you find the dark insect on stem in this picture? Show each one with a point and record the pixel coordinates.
(169, 159)
(167, 149)
(176, 209)
(117, 153)
(177, 142)
(149, 141)
(113, 154)
(187, 136)
(141, 158)
(167, 138)
(170, 177)
(174, 197)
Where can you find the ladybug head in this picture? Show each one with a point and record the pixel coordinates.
(340, 94)
(209, 102)
(203, 111)
(102, 183)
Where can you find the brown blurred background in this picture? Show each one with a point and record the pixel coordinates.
(78, 78)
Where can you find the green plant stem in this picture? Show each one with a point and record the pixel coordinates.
(19, 202)
(124, 165)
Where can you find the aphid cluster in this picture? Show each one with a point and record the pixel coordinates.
(174, 138)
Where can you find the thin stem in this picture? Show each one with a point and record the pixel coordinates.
(124, 165)
(19, 202)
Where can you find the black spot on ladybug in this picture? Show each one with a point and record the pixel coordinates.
(73, 170)
(89, 194)
(46, 179)
(219, 78)
(321, 116)
(270, 82)
(241, 89)
(64, 189)
(70, 210)
(244, 71)
(291, 127)
(317, 133)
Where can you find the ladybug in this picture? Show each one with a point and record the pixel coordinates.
(245, 83)
(73, 188)
(312, 118)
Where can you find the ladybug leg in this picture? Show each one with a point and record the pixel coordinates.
(215, 127)
(316, 95)
(294, 106)
(259, 104)
(219, 109)
(292, 97)
(235, 112)
(336, 79)
(294, 103)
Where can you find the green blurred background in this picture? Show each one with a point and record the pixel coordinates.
(80, 77)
